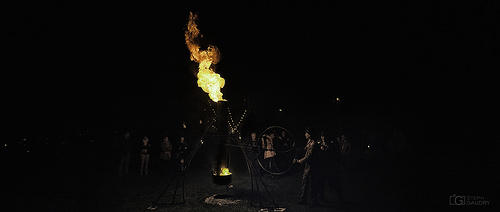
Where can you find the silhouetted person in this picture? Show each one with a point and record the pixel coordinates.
(182, 153)
(345, 150)
(253, 144)
(285, 141)
(124, 146)
(165, 154)
(269, 153)
(324, 165)
(253, 153)
(309, 178)
(145, 154)
(332, 170)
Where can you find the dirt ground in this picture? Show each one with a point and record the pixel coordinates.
(91, 184)
(46, 180)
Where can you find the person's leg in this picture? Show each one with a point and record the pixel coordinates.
(121, 163)
(315, 183)
(321, 185)
(337, 186)
(126, 163)
(146, 164)
(269, 164)
(168, 164)
(306, 181)
(143, 158)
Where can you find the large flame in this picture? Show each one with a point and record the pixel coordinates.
(208, 80)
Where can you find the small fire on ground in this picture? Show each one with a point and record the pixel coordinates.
(223, 172)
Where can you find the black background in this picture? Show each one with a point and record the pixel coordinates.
(115, 65)
(87, 64)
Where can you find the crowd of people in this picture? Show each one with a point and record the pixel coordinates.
(171, 155)
(323, 159)
(323, 162)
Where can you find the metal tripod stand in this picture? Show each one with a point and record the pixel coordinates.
(179, 178)
(256, 178)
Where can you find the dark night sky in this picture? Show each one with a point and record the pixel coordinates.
(86, 64)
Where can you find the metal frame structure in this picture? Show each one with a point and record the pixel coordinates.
(253, 165)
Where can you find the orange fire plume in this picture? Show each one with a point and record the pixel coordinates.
(208, 80)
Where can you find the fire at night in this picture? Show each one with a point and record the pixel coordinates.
(247, 106)
(208, 80)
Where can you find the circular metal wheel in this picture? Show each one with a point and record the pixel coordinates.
(276, 158)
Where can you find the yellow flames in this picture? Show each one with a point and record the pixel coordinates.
(224, 172)
(208, 80)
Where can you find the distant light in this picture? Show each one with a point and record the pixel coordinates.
(28, 151)
(368, 146)
(281, 110)
(24, 139)
(338, 99)
(5, 145)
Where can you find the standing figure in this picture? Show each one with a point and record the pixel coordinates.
(324, 165)
(253, 144)
(333, 170)
(145, 153)
(123, 146)
(269, 152)
(182, 153)
(345, 150)
(309, 178)
(285, 140)
(166, 153)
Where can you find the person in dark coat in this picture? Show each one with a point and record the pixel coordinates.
(145, 154)
(124, 146)
(182, 151)
(166, 154)
(332, 171)
(309, 178)
(324, 164)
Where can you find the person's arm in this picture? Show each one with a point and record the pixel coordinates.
(306, 158)
(309, 154)
(163, 147)
(169, 146)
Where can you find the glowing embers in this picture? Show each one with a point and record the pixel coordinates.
(223, 172)
(222, 176)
